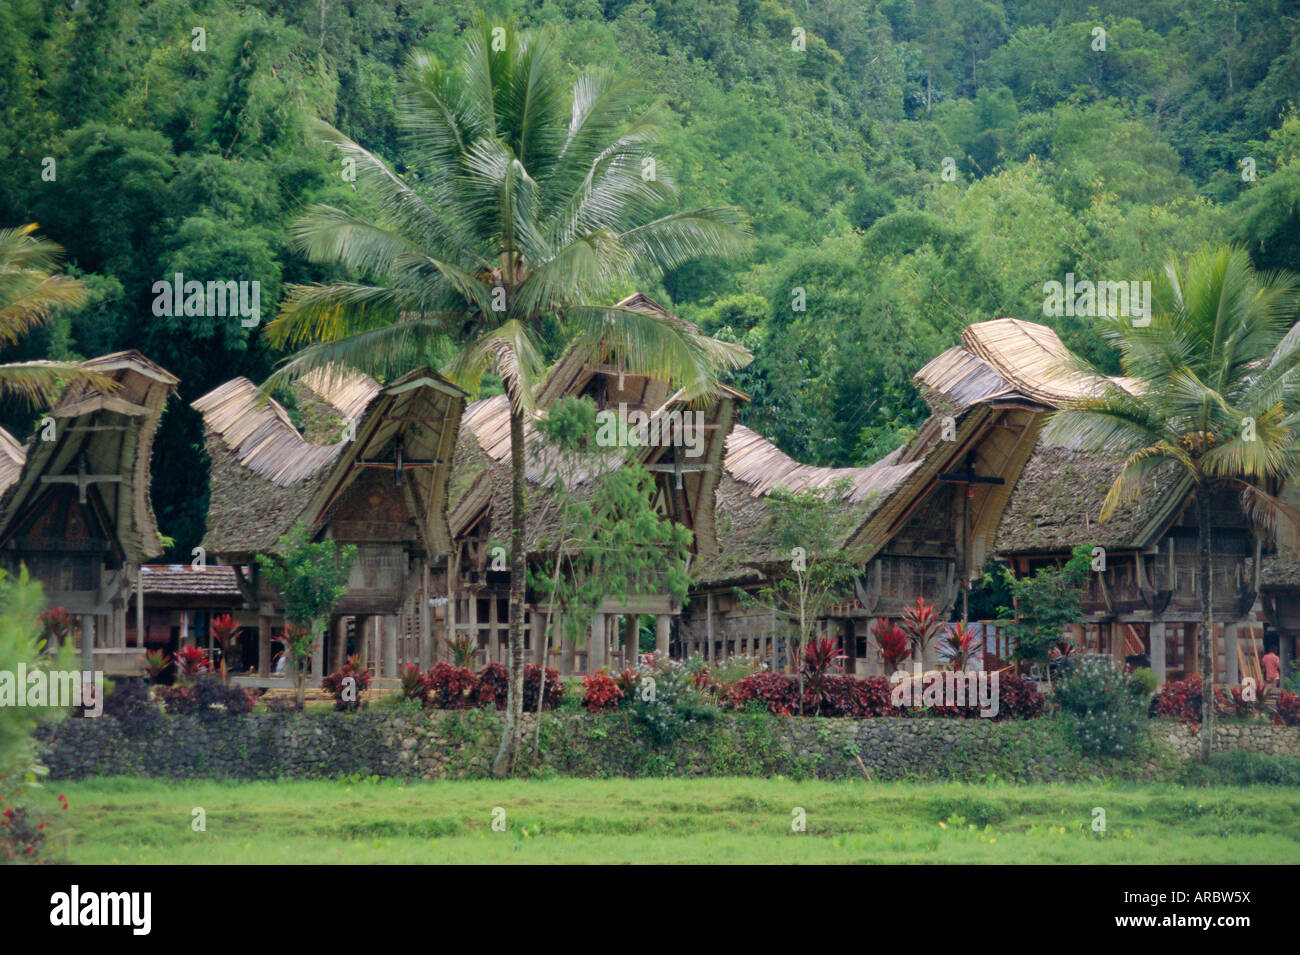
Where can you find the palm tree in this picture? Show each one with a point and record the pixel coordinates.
(1215, 394)
(30, 291)
(530, 200)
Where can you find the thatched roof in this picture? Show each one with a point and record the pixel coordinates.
(986, 397)
(1057, 501)
(96, 433)
(481, 482)
(266, 475)
(1028, 358)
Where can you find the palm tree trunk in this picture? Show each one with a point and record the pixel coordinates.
(1205, 640)
(503, 765)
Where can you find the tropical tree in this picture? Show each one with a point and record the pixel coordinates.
(531, 201)
(1215, 394)
(31, 290)
(312, 576)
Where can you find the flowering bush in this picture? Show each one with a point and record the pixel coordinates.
(347, 693)
(600, 692)
(1105, 704)
(23, 832)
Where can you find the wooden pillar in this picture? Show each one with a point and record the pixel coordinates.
(1231, 675)
(596, 643)
(426, 621)
(139, 606)
(388, 644)
(663, 633)
(1157, 632)
(318, 658)
(339, 654)
(631, 638)
(473, 626)
(495, 650)
(87, 642)
(711, 608)
(263, 643)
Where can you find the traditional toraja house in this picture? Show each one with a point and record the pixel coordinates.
(180, 601)
(1146, 601)
(685, 455)
(919, 523)
(371, 470)
(75, 508)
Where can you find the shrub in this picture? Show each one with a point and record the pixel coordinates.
(857, 699)
(1104, 705)
(600, 692)
(492, 686)
(1237, 767)
(190, 662)
(892, 643)
(666, 700)
(130, 703)
(451, 687)
(414, 686)
(23, 832)
(348, 681)
(206, 697)
(532, 683)
(1288, 709)
(1180, 699)
(1145, 682)
(1018, 698)
(777, 692)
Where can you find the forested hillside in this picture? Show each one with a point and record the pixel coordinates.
(907, 167)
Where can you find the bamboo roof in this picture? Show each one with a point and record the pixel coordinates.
(266, 475)
(99, 433)
(481, 482)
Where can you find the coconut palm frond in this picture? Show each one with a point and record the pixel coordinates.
(384, 352)
(1133, 476)
(511, 352)
(42, 382)
(1267, 512)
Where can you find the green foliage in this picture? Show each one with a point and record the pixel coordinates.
(609, 541)
(1044, 604)
(22, 643)
(312, 576)
(1106, 705)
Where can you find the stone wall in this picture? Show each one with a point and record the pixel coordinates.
(461, 744)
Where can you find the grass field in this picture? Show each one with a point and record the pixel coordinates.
(118, 820)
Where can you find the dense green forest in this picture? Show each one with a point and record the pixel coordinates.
(907, 167)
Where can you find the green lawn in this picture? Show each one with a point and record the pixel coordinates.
(671, 820)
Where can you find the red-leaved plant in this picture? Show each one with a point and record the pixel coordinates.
(190, 662)
(347, 683)
(820, 658)
(960, 646)
(921, 624)
(891, 642)
(600, 692)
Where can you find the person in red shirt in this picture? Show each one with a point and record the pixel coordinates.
(1272, 667)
